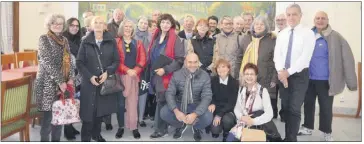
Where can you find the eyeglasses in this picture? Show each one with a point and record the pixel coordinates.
(280, 20)
(57, 24)
(227, 23)
(74, 26)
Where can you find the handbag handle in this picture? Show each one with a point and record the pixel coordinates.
(98, 59)
(71, 91)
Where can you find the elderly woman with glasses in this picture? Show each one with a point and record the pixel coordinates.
(56, 71)
(259, 46)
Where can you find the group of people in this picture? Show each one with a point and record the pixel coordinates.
(209, 78)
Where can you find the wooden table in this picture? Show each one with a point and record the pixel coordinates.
(12, 74)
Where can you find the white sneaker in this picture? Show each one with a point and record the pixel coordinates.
(328, 137)
(304, 131)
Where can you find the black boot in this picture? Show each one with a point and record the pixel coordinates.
(68, 132)
(136, 134)
(120, 133)
(208, 129)
(224, 136)
(75, 132)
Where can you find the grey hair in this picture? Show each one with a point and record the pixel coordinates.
(142, 17)
(226, 18)
(262, 19)
(295, 6)
(237, 17)
(53, 18)
(188, 16)
(121, 28)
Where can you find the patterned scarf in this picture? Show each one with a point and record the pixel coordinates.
(66, 64)
(187, 93)
(238, 128)
(251, 53)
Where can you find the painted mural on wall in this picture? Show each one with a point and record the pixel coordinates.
(179, 9)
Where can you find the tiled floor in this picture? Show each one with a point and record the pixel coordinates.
(344, 129)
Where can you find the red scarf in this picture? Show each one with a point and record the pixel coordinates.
(169, 51)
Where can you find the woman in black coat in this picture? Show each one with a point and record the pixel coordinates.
(224, 94)
(93, 105)
(73, 35)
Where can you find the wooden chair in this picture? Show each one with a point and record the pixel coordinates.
(358, 110)
(7, 60)
(15, 101)
(33, 111)
(26, 57)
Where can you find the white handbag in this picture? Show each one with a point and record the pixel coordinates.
(66, 111)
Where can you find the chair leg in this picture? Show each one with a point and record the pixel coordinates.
(27, 132)
(21, 135)
(33, 122)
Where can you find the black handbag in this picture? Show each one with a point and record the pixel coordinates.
(113, 82)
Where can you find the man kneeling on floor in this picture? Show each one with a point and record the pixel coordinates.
(188, 96)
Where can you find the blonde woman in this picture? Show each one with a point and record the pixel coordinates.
(94, 106)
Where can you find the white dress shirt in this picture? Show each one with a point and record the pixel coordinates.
(303, 46)
(188, 35)
(225, 82)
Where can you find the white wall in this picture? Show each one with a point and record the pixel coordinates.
(32, 16)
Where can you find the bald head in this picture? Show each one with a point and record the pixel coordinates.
(281, 21)
(118, 15)
(321, 20)
(192, 62)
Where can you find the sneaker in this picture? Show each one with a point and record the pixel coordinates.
(304, 131)
(158, 135)
(328, 137)
(179, 131)
(120, 133)
(196, 134)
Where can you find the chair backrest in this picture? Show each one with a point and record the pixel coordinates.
(26, 57)
(7, 59)
(33, 76)
(15, 100)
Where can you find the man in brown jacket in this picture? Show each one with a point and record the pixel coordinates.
(229, 46)
(329, 72)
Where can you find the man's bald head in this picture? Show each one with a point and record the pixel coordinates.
(321, 20)
(118, 15)
(192, 62)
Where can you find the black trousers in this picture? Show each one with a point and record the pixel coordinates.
(320, 89)
(228, 121)
(292, 100)
(91, 128)
(150, 106)
(280, 98)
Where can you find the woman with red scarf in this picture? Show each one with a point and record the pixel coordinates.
(165, 44)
